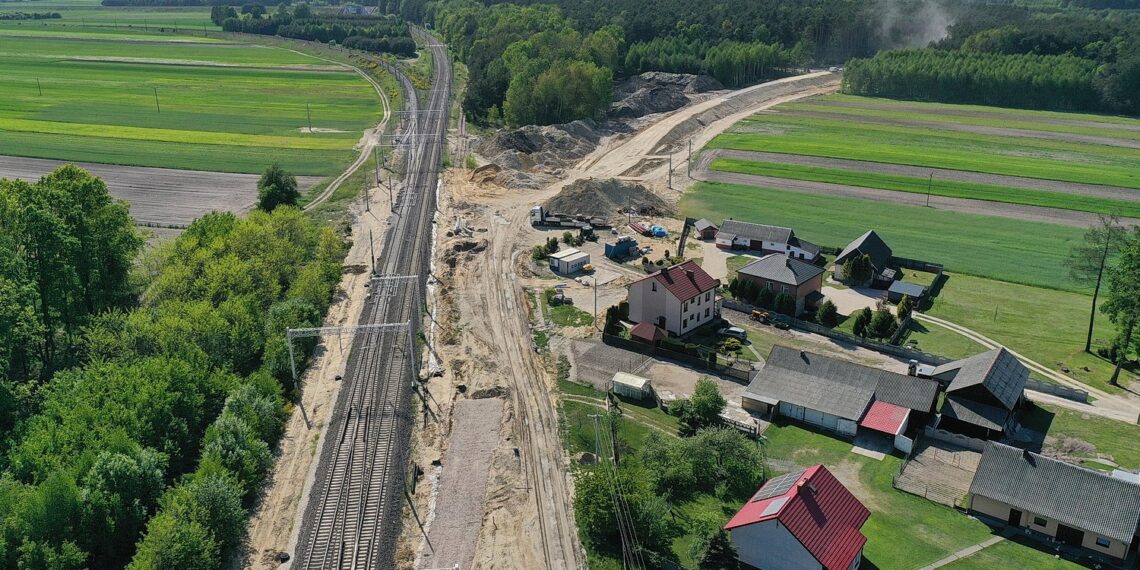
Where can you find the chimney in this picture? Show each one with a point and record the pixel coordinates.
(692, 275)
(912, 367)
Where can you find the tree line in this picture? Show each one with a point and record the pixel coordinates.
(161, 423)
(372, 34)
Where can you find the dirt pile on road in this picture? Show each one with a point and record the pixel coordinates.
(543, 149)
(607, 198)
(657, 92)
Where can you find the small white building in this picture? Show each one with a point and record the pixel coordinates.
(568, 261)
(632, 386)
(677, 299)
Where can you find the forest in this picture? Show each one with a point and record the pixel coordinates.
(367, 33)
(143, 389)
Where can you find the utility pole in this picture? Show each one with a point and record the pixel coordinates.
(391, 190)
(595, 280)
(929, 183)
(376, 155)
(367, 199)
(40, 87)
(310, 115)
(689, 166)
(670, 172)
(156, 107)
(372, 251)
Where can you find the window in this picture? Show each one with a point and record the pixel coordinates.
(769, 284)
(707, 295)
(685, 307)
(784, 289)
(1038, 521)
(1102, 541)
(685, 323)
(654, 285)
(706, 312)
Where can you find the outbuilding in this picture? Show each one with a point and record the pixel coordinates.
(568, 261)
(705, 228)
(632, 386)
(899, 289)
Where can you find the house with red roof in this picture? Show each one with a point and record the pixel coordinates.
(799, 521)
(677, 299)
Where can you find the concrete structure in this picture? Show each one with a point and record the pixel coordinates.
(767, 239)
(802, 520)
(782, 274)
(1076, 506)
(632, 386)
(871, 245)
(677, 299)
(982, 392)
(838, 395)
(568, 261)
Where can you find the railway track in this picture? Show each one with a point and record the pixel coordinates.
(352, 520)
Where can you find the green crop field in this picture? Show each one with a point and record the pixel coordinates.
(992, 112)
(1004, 249)
(90, 15)
(921, 146)
(220, 106)
(919, 185)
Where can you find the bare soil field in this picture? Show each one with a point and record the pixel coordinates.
(160, 196)
(1113, 192)
(979, 129)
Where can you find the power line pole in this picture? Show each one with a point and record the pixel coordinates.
(372, 250)
(670, 172)
(929, 184)
(156, 107)
(376, 155)
(689, 166)
(391, 190)
(309, 114)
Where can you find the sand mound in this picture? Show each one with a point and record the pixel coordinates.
(545, 149)
(607, 198)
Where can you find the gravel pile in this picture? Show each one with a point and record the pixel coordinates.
(657, 92)
(606, 199)
(544, 149)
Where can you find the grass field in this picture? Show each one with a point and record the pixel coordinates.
(1111, 439)
(919, 185)
(917, 146)
(1023, 116)
(1009, 250)
(90, 16)
(221, 106)
(1014, 553)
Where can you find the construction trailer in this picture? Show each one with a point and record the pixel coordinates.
(568, 261)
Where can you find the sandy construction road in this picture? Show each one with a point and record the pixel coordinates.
(160, 196)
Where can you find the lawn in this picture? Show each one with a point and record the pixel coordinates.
(1011, 554)
(924, 278)
(921, 185)
(918, 146)
(735, 262)
(1113, 440)
(940, 341)
(1005, 249)
(221, 106)
(931, 531)
(567, 315)
(1044, 325)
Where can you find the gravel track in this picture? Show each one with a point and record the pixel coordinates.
(1076, 188)
(980, 207)
(977, 129)
(919, 108)
(160, 196)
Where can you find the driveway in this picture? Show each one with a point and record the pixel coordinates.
(715, 261)
(848, 301)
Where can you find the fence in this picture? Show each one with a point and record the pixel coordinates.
(1066, 392)
(918, 265)
(954, 438)
(899, 351)
(750, 429)
(736, 372)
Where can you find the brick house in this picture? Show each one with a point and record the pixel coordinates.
(782, 274)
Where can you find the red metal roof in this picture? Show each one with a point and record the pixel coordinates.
(818, 510)
(884, 417)
(685, 281)
(648, 331)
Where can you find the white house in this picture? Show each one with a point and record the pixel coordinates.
(734, 234)
(677, 299)
(804, 520)
(568, 260)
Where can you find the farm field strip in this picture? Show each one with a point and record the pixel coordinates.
(223, 118)
(1031, 158)
(921, 185)
(1000, 113)
(87, 14)
(1012, 250)
(862, 113)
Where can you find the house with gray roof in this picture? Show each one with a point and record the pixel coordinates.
(877, 250)
(838, 395)
(982, 393)
(1071, 504)
(734, 234)
(782, 274)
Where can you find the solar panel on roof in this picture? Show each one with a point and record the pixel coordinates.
(778, 486)
(774, 507)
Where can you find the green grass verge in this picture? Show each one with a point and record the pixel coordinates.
(1009, 250)
(1012, 156)
(1013, 554)
(1044, 325)
(1113, 440)
(940, 340)
(567, 315)
(919, 185)
(932, 531)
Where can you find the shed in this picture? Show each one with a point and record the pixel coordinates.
(632, 386)
(568, 260)
(899, 288)
(705, 228)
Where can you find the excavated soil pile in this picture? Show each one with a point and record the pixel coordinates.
(607, 198)
(544, 150)
(657, 92)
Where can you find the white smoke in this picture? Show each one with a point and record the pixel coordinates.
(904, 23)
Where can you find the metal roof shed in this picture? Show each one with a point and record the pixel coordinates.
(631, 386)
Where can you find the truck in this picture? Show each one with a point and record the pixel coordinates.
(540, 216)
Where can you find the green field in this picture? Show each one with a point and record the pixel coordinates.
(1112, 440)
(920, 185)
(992, 113)
(1005, 249)
(916, 146)
(91, 16)
(221, 106)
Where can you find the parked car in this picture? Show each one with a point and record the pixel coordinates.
(734, 332)
(781, 323)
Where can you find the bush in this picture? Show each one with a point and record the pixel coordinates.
(827, 315)
(905, 307)
(862, 320)
(882, 324)
(702, 409)
(538, 253)
(765, 298)
(785, 304)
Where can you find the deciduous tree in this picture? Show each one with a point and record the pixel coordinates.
(276, 188)
(1122, 303)
(1088, 260)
